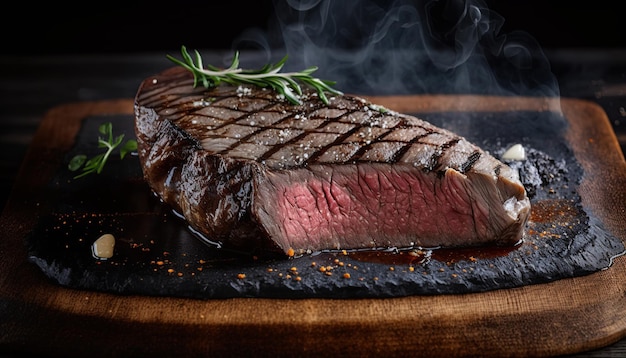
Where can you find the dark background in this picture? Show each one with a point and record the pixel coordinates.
(138, 26)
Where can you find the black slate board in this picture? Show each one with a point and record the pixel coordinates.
(157, 255)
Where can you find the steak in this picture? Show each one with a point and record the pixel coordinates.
(249, 169)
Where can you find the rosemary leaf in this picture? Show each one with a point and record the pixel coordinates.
(96, 163)
(285, 83)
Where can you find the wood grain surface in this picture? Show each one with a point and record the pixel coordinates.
(563, 317)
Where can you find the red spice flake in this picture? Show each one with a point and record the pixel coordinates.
(293, 269)
(241, 276)
(180, 274)
(322, 269)
(290, 252)
(313, 264)
(298, 278)
(328, 273)
(170, 270)
(160, 263)
(346, 275)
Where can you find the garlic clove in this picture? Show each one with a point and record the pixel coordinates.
(515, 152)
(103, 247)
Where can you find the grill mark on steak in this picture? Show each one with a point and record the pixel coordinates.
(434, 163)
(358, 155)
(497, 169)
(251, 134)
(340, 139)
(404, 149)
(247, 168)
(471, 160)
(273, 149)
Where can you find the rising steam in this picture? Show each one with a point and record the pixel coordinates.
(405, 47)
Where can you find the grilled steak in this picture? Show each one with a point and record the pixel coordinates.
(249, 169)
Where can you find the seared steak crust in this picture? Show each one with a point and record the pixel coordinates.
(249, 169)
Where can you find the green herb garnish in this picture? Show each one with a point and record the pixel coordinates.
(96, 163)
(268, 76)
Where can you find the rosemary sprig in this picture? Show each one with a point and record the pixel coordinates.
(96, 163)
(286, 83)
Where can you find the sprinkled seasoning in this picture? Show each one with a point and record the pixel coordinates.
(243, 91)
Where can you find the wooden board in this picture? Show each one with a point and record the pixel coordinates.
(562, 317)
